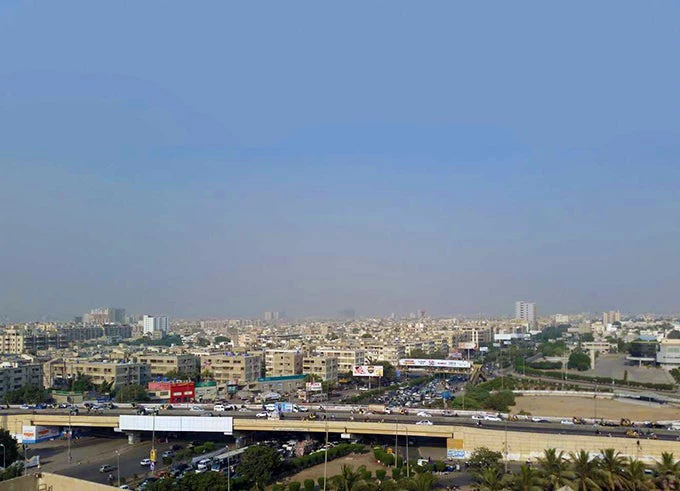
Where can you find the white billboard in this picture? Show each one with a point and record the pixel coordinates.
(367, 371)
(37, 434)
(428, 363)
(314, 386)
(216, 424)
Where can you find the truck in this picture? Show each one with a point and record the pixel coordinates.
(379, 409)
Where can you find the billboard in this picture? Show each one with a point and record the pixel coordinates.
(427, 363)
(313, 386)
(467, 345)
(175, 423)
(37, 434)
(367, 371)
(284, 407)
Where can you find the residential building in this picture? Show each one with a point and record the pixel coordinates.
(162, 363)
(155, 324)
(14, 376)
(347, 358)
(173, 392)
(17, 342)
(384, 352)
(279, 363)
(611, 317)
(325, 367)
(59, 370)
(525, 312)
(669, 353)
(105, 315)
(233, 368)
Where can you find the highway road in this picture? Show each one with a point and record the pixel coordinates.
(436, 418)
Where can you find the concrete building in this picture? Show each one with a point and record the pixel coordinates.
(118, 374)
(325, 367)
(611, 317)
(15, 376)
(105, 315)
(669, 353)
(280, 363)
(233, 369)
(155, 324)
(347, 358)
(384, 352)
(160, 363)
(525, 312)
(17, 342)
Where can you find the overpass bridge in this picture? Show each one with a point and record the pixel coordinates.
(520, 441)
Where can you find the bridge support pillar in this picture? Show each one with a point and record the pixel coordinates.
(133, 437)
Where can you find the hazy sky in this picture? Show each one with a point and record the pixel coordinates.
(227, 158)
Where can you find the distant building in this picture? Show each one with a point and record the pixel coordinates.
(669, 353)
(155, 324)
(526, 312)
(233, 369)
(16, 376)
(160, 364)
(17, 342)
(173, 392)
(347, 358)
(611, 317)
(105, 315)
(118, 374)
(279, 363)
(325, 367)
(561, 319)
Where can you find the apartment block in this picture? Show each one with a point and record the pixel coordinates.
(280, 363)
(347, 358)
(383, 352)
(99, 371)
(160, 364)
(325, 367)
(233, 369)
(16, 376)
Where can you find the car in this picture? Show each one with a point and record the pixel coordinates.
(207, 414)
(196, 408)
(270, 407)
(243, 410)
(424, 422)
(145, 483)
(423, 414)
(63, 405)
(492, 418)
(145, 462)
(25, 406)
(219, 408)
(42, 405)
(566, 422)
(106, 468)
(123, 486)
(477, 417)
(536, 419)
(168, 453)
(262, 414)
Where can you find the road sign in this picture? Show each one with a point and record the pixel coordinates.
(153, 465)
(153, 455)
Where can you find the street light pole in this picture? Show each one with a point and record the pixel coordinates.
(408, 463)
(118, 466)
(228, 470)
(506, 445)
(4, 463)
(70, 435)
(325, 460)
(396, 443)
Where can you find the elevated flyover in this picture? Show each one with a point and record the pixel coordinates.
(520, 441)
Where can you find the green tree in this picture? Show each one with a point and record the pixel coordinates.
(500, 401)
(424, 481)
(309, 484)
(258, 464)
(611, 466)
(82, 383)
(667, 471)
(587, 471)
(10, 444)
(202, 342)
(578, 360)
(554, 469)
(131, 393)
(221, 339)
(636, 477)
(490, 479)
(294, 486)
(29, 394)
(347, 479)
(528, 479)
(483, 458)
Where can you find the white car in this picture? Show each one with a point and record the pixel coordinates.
(145, 462)
(244, 410)
(477, 417)
(492, 418)
(263, 414)
(196, 408)
(536, 419)
(219, 408)
(566, 422)
(423, 414)
(424, 422)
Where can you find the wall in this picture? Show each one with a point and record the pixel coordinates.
(53, 482)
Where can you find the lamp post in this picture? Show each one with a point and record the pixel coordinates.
(118, 466)
(506, 445)
(408, 463)
(396, 443)
(4, 463)
(325, 460)
(228, 470)
(70, 435)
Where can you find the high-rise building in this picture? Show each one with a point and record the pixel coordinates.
(611, 317)
(525, 311)
(155, 324)
(105, 315)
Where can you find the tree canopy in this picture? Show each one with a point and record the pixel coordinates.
(258, 464)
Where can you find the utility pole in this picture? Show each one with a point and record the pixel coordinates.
(396, 443)
(118, 466)
(408, 462)
(70, 435)
(506, 445)
(325, 460)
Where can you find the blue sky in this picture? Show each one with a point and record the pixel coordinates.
(226, 159)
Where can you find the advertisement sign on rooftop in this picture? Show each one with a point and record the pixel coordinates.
(428, 363)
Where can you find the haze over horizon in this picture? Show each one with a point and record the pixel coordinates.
(226, 159)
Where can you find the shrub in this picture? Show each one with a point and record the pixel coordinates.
(321, 482)
(396, 472)
(294, 486)
(309, 484)
(380, 474)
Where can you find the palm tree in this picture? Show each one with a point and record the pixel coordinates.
(612, 465)
(347, 479)
(528, 479)
(636, 477)
(422, 482)
(587, 471)
(667, 471)
(554, 469)
(490, 479)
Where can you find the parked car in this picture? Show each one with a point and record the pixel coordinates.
(262, 414)
(145, 462)
(168, 453)
(106, 468)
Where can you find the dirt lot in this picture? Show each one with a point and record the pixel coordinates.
(334, 466)
(584, 407)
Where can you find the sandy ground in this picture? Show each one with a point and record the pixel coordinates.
(585, 407)
(335, 466)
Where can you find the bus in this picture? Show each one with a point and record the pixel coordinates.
(230, 458)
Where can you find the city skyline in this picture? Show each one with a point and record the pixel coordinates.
(450, 160)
